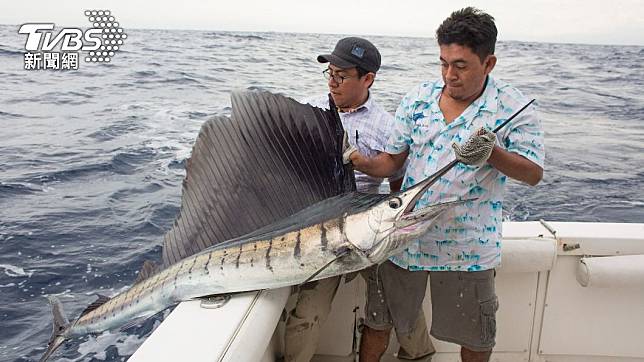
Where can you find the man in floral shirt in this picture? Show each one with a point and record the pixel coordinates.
(462, 250)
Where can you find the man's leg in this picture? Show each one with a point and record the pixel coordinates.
(468, 355)
(416, 344)
(304, 321)
(394, 298)
(413, 346)
(373, 344)
(377, 325)
(464, 306)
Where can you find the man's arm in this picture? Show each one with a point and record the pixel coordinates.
(382, 165)
(515, 166)
(395, 186)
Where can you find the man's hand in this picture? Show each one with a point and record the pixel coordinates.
(347, 149)
(477, 149)
(481, 147)
(381, 165)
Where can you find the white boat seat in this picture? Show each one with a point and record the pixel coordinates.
(625, 271)
(528, 255)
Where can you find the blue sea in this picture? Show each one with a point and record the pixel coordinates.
(91, 161)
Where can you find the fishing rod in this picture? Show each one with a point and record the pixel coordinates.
(453, 163)
(512, 117)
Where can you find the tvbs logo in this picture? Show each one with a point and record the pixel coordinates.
(101, 41)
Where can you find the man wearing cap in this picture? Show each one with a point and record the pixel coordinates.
(352, 68)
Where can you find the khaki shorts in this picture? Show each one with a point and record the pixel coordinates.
(304, 322)
(464, 306)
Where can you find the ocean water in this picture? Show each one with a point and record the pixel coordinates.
(91, 161)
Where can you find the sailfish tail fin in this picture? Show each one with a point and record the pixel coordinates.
(61, 324)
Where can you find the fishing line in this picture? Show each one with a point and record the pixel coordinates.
(341, 255)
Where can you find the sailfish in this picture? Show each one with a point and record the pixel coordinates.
(266, 203)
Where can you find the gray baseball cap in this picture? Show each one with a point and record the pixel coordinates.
(353, 52)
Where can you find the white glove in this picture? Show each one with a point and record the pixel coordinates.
(347, 149)
(477, 149)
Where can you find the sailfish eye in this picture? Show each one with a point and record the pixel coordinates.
(395, 203)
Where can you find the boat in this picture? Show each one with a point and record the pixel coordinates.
(568, 292)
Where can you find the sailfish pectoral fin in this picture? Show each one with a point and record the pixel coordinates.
(339, 255)
(134, 322)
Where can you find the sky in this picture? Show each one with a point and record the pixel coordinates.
(559, 21)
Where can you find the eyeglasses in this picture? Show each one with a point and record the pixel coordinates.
(336, 78)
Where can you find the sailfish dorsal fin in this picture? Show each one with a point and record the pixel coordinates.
(272, 158)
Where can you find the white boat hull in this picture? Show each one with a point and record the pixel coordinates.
(545, 313)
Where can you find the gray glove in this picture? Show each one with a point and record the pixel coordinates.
(477, 149)
(347, 149)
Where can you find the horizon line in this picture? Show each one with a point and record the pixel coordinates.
(363, 34)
